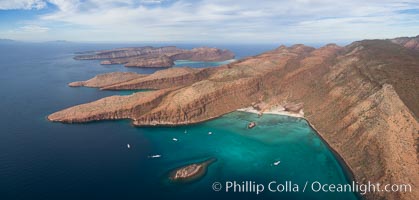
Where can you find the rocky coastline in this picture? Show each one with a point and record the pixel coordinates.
(155, 57)
(361, 98)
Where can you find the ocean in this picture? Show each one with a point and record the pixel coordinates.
(44, 160)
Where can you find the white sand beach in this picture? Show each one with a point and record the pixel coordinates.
(276, 110)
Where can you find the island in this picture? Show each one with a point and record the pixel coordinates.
(191, 172)
(361, 98)
(155, 56)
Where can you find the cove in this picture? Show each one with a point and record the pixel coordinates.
(246, 156)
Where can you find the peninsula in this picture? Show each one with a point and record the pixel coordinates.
(155, 56)
(362, 99)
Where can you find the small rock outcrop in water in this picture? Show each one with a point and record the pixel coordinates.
(251, 125)
(191, 172)
(361, 98)
(155, 57)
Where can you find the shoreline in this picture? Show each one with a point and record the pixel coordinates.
(279, 110)
(201, 169)
(347, 170)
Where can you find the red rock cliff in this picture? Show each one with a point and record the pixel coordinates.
(361, 98)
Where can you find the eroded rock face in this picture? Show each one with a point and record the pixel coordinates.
(163, 79)
(173, 77)
(141, 61)
(408, 42)
(156, 57)
(129, 52)
(361, 98)
(205, 54)
(107, 79)
(113, 107)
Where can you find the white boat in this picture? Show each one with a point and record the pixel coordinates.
(209, 133)
(155, 156)
(277, 163)
(186, 131)
(128, 146)
(175, 139)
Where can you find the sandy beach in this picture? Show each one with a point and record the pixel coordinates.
(277, 110)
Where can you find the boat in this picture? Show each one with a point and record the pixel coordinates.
(175, 139)
(128, 146)
(186, 131)
(277, 163)
(155, 156)
(210, 133)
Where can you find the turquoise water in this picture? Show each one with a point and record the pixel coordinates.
(44, 160)
(247, 155)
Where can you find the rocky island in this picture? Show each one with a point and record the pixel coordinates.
(361, 98)
(191, 172)
(155, 56)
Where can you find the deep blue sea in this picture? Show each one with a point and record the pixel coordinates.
(44, 160)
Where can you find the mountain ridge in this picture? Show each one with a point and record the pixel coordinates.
(362, 99)
(148, 56)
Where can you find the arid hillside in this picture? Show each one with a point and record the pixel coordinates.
(361, 98)
(154, 56)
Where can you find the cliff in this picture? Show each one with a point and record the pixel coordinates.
(113, 107)
(204, 54)
(408, 42)
(107, 79)
(362, 99)
(155, 57)
(127, 52)
(141, 61)
(179, 76)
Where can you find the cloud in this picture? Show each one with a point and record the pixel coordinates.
(66, 5)
(152, 1)
(231, 20)
(22, 4)
(34, 29)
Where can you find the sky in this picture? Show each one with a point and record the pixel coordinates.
(220, 21)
